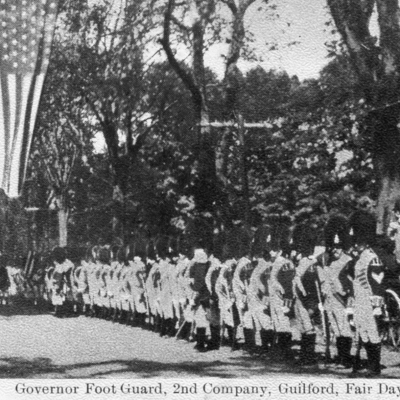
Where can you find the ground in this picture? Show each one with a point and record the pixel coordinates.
(35, 344)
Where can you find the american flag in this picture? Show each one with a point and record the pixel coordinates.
(27, 28)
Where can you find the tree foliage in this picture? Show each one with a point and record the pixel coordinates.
(166, 169)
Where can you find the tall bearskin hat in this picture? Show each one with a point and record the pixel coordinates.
(336, 232)
(162, 246)
(233, 247)
(260, 241)
(59, 255)
(75, 254)
(199, 233)
(140, 246)
(362, 228)
(114, 252)
(104, 255)
(129, 252)
(172, 250)
(183, 245)
(304, 239)
(245, 242)
(150, 250)
(218, 245)
(279, 236)
(89, 255)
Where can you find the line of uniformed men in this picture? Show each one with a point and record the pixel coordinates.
(338, 286)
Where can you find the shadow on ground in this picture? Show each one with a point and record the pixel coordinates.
(21, 306)
(16, 367)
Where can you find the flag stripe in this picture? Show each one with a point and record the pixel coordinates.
(33, 105)
(6, 117)
(12, 111)
(17, 155)
(2, 139)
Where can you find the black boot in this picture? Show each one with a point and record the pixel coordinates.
(157, 324)
(249, 340)
(284, 343)
(347, 359)
(339, 347)
(267, 339)
(374, 359)
(129, 318)
(171, 331)
(215, 338)
(141, 320)
(200, 340)
(185, 331)
(134, 318)
(307, 349)
(163, 327)
(124, 317)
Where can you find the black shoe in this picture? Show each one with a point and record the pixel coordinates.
(249, 341)
(307, 350)
(215, 340)
(200, 340)
(267, 340)
(374, 359)
(347, 359)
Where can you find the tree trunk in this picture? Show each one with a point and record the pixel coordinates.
(383, 123)
(63, 214)
(233, 83)
(118, 220)
(377, 66)
(63, 227)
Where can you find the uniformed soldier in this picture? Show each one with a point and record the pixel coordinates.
(336, 286)
(62, 267)
(241, 281)
(176, 271)
(259, 303)
(128, 285)
(152, 284)
(94, 281)
(368, 290)
(226, 299)
(280, 288)
(214, 314)
(394, 229)
(164, 286)
(306, 287)
(113, 283)
(138, 282)
(80, 281)
(198, 294)
(150, 261)
(118, 264)
(103, 279)
(182, 267)
(4, 279)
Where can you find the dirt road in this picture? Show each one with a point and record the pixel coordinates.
(35, 344)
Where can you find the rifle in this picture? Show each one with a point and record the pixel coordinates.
(325, 326)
